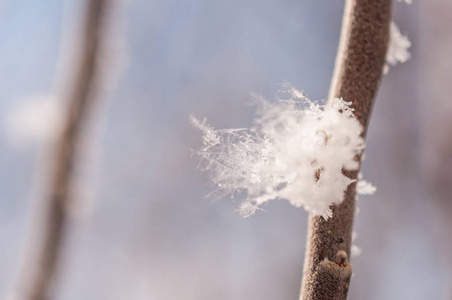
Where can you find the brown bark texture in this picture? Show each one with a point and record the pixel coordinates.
(45, 255)
(357, 75)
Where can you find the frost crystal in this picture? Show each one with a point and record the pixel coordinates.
(397, 49)
(355, 250)
(364, 187)
(296, 151)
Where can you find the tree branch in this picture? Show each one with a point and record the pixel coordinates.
(42, 264)
(357, 74)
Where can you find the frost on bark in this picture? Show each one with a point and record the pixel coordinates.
(358, 70)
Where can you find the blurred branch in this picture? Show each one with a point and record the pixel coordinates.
(358, 70)
(436, 124)
(40, 271)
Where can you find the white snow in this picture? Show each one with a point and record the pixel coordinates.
(296, 151)
(397, 49)
(355, 250)
(364, 187)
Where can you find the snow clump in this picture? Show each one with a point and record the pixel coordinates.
(397, 49)
(296, 150)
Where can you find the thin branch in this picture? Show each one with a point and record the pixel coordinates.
(80, 97)
(358, 70)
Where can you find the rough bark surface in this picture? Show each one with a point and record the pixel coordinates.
(41, 266)
(357, 74)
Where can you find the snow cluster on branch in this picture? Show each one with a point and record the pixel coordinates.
(296, 150)
(364, 187)
(398, 45)
(398, 48)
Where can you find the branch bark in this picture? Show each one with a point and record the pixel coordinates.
(357, 75)
(39, 273)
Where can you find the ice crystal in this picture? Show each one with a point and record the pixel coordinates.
(398, 47)
(364, 187)
(296, 150)
(355, 250)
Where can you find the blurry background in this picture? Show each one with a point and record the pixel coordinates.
(143, 228)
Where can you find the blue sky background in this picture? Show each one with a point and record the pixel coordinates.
(148, 232)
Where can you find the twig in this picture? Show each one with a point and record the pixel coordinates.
(358, 70)
(80, 96)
